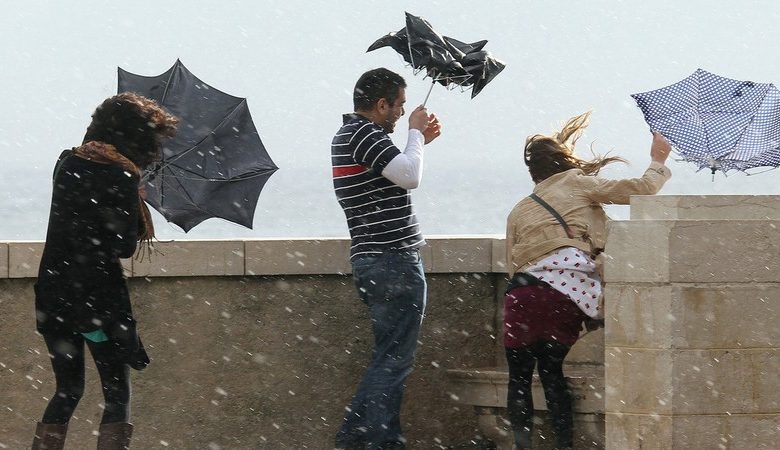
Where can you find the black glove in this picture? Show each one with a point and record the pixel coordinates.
(124, 338)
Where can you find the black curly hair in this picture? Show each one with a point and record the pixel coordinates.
(135, 125)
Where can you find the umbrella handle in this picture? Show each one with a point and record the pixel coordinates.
(713, 167)
(429, 93)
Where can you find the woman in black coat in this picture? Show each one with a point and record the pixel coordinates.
(96, 218)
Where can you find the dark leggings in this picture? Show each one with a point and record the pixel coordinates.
(67, 359)
(550, 356)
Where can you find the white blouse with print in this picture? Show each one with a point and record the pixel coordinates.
(572, 272)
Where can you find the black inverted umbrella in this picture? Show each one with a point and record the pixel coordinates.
(216, 164)
(716, 122)
(447, 61)
(423, 48)
(476, 62)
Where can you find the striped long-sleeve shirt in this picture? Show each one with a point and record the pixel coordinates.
(379, 213)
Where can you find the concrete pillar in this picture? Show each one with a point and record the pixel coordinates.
(692, 342)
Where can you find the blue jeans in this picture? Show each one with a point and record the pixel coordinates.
(393, 287)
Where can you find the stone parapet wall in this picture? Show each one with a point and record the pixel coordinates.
(258, 344)
(692, 346)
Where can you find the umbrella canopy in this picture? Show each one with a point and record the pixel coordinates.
(716, 122)
(447, 61)
(216, 164)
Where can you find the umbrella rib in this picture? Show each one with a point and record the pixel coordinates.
(706, 134)
(756, 173)
(712, 159)
(168, 83)
(159, 169)
(195, 204)
(411, 55)
(455, 79)
(183, 191)
(698, 112)
(736, 142)
(744, 130)
(198, 177)
(182, 154)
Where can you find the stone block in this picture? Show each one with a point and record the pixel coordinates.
(643, 431)
(638, 381)
(692, 251)
(589, 349)
(686, 382)
(705, 207)
(461, 254)
(637, 251)
(192, 258)
(24, 259)
(748, 431)
(487, 387)
(479, 387)
(764, 365)
(701, 316)
(127, 266)
(735, 431)
(724, 251)
(499, 256)
(638, 315)
(720, 381)
(297, 256)
(3, 260)
(426, 253)
(722, 316)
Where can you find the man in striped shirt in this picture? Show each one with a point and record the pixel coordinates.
(372, 179)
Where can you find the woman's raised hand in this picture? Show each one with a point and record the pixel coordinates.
(660, 148)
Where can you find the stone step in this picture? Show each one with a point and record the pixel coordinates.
(487, 387)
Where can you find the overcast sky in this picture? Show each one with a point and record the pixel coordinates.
(297, 61)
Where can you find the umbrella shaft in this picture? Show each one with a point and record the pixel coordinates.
(429, 93)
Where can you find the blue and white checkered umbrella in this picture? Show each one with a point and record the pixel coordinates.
(716, 122)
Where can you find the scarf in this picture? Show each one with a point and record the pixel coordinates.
(103, 153)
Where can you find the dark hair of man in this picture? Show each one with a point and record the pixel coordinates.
(135, 125)
(376, 84)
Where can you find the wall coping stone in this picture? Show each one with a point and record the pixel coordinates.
(271, 256)
(4, 260)
(705, 207)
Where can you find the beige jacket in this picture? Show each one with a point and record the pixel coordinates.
(532, 232)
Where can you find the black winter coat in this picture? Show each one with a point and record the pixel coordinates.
(92, 223)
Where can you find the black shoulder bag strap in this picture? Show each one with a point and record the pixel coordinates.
(555, 214)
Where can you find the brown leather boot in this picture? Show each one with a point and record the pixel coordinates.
(49, 436)
(114, 436)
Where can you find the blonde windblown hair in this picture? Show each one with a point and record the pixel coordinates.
(548, 155)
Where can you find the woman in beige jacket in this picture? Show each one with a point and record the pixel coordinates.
(555, 286)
